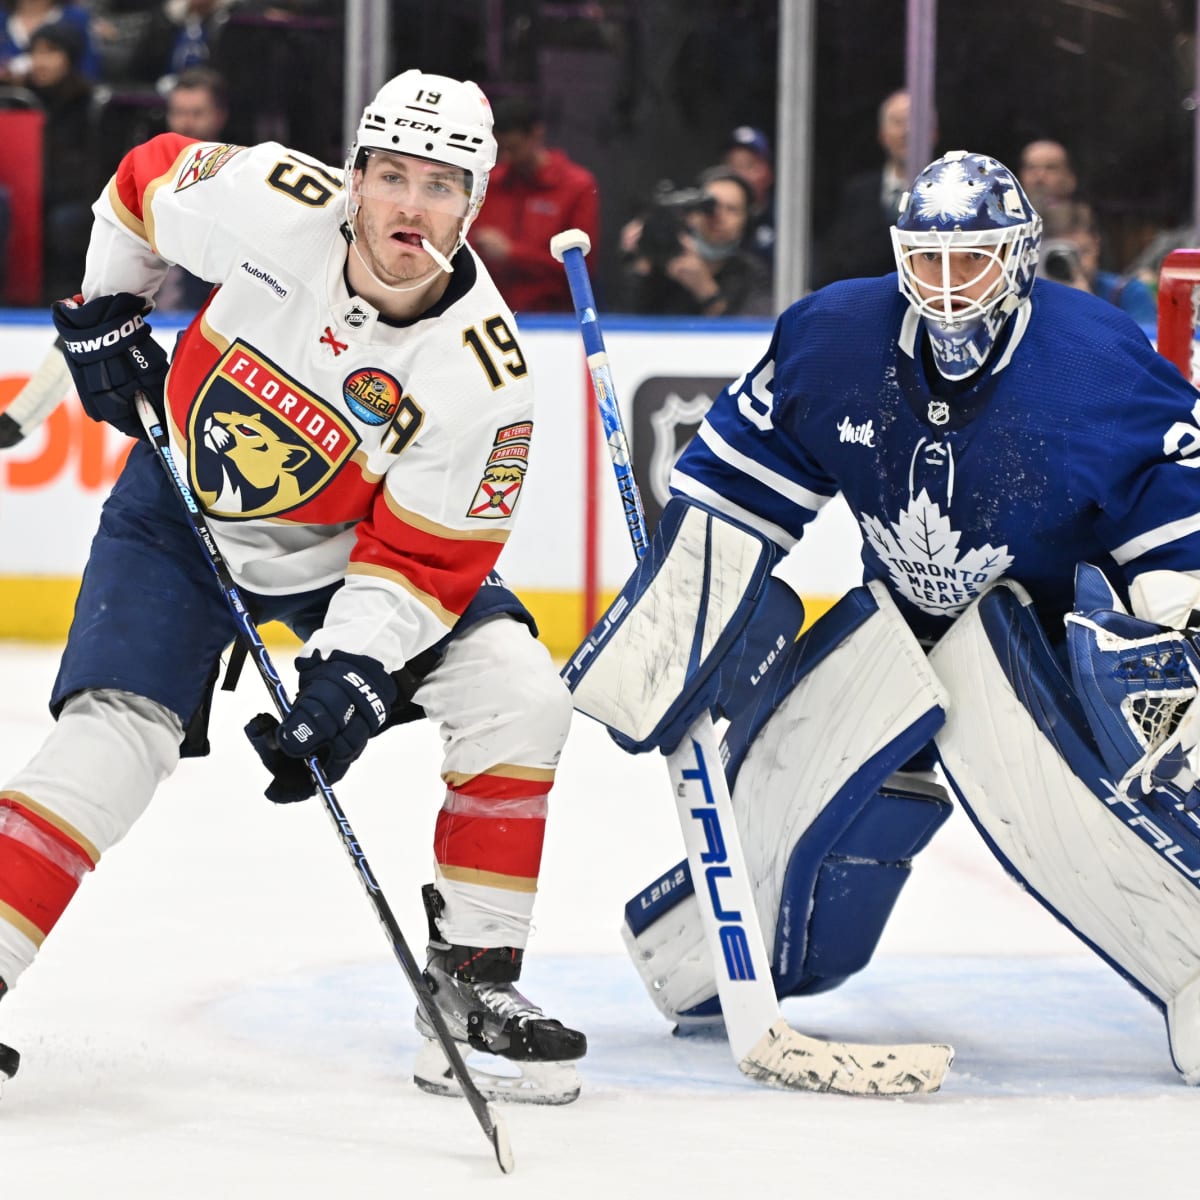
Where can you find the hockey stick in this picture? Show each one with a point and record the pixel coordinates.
(44, 391)
(248, 632)
(764, 1046)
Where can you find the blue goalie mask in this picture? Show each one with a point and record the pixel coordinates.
(966, 245)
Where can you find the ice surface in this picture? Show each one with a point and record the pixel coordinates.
(219, 1015)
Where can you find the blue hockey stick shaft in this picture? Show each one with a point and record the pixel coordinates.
(252, 640)
(569, 247)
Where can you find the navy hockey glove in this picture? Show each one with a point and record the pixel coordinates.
(342, 703)
(111, 355)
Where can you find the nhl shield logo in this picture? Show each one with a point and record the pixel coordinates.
(259, 443)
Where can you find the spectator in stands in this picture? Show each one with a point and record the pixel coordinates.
(691, 258)
(1046, 175)
(858, 241)
(534, 192)
(20, 19)
(748, 154)
(69, 182)
(1071, 254)
(197, 107)
(198, 104)
(178, 35)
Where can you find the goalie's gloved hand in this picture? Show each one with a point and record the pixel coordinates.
(342, 702)
(111, 355)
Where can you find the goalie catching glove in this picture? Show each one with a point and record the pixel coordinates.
(1138, 681)
(112, 357)
(342, 703)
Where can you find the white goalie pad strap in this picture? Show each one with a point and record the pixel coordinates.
(829, 733)
(1092, 857)
(686, 601)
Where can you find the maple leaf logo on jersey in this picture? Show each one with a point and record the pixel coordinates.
(921, 551)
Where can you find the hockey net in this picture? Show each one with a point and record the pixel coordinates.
(1178, 308)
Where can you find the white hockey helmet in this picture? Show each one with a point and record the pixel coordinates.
(972, 202)
(432, 117)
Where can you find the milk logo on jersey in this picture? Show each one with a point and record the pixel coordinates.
(260, 443)
(496, 496)
(861, 434)
(204, 163)
(372, 395)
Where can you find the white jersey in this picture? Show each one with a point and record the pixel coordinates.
(324, 440)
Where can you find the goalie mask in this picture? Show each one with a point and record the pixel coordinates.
(966, 246)
(430, 117)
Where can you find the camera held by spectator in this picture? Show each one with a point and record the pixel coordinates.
(1061, 262)
(665, 225)
(687, 256)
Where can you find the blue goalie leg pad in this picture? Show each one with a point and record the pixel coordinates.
(849, 892)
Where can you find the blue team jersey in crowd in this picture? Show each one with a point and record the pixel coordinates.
(1077, 443)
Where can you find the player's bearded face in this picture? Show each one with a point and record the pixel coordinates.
(401, 200)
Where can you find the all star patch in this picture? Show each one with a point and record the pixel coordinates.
(372, 395)
(204, 164)
(496, 496)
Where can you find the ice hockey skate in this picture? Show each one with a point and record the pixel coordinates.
(514, 1052)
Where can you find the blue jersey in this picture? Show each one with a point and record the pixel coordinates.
(1078, 442)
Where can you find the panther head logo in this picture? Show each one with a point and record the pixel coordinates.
(258, 468)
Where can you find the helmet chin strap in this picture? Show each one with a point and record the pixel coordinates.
(443, 263)
(440, 259)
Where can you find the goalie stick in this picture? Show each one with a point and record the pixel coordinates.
(488, 1119)
(763, 1045)
(44, 391)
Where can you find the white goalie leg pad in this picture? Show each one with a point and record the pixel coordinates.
(685, 603)
(843, 726)
(1092, 857)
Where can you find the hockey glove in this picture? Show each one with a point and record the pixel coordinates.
(343, 701)
(111, 355)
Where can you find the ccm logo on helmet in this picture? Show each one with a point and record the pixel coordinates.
(111, 338)
(419, 126)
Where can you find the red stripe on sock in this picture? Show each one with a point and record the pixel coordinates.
(32, 885)
(501, 845)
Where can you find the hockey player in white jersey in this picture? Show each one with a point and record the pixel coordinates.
(354, 410)
(1015, 454)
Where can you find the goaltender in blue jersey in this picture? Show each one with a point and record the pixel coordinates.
(1022, 466)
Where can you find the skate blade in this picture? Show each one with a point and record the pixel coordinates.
(523, 1082)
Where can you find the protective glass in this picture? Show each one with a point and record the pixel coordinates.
(415, 183)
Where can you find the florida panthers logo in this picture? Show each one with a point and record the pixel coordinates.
(260, 444)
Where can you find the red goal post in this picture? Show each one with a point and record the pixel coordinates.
(1178, 309)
